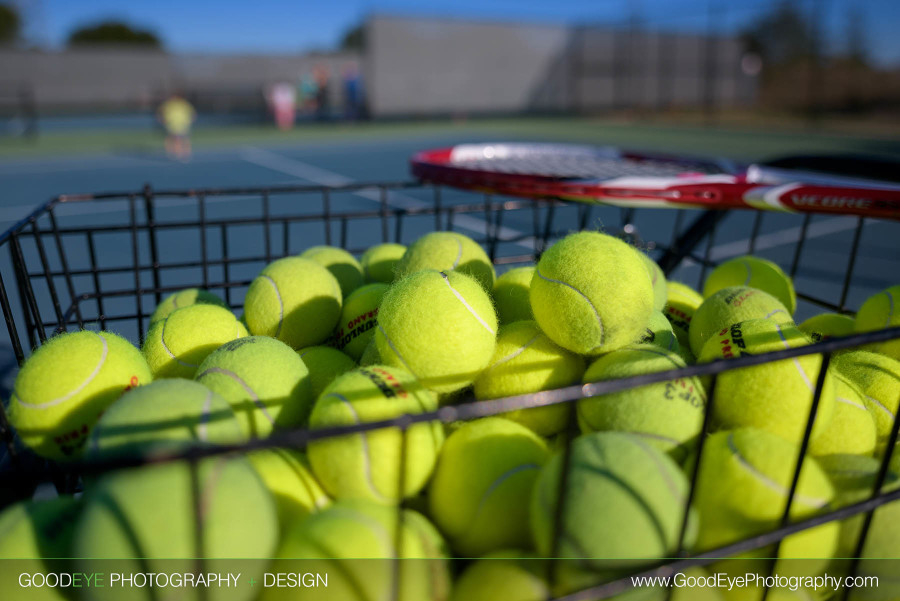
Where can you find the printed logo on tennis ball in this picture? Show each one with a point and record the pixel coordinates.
(355, 328)
(683, 390)
(678, 317)
(386, 382)
(731, 339)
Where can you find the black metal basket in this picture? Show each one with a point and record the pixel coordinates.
(104, 261)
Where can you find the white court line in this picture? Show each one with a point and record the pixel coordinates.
(323, 177)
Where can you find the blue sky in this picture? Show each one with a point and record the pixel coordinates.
(268, 26)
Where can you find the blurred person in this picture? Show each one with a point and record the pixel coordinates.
(283, 103)
(323, 107)
(177, 115)
(353, 96)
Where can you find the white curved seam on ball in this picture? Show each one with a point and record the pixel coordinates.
(365, 444)
(654, 436)
(468, 307)
(881, 406)
(749, 272)
(162, 340)
(225, 372)
(374, 526)
(515, 354)
(396, 352)
(772, 314)
(207, 492)
(497, 483)
(459, 253)
(661, 469)
(81, 387)
(280, 304)
(582, 294)
(795, 360)
(768, 482)
(205, 416)
(841, 399)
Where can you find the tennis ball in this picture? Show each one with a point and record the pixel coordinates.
(346, 540)
(625, 503)
(485, 470)
(878, 312)
(732, 305)
(591, 293)
(659, 333)
(526, 361)
(827, 325)
(342, 265)
(143, 520)
(439, 326)
(852, 427)
(379, 262)
(878, 378)
(681, 303)
(264, 380)
(64, 387)
(667, 415)
(370, 356)
(163, 415)
(448, 251)
(504, 574)
(753, 272)
(177, 345)
(658, 280)
(324, 364)
(511, 294)
(366, 465)
(358, 316)
(288, 476)
(776, 396)
(294, 300)
(184, 298)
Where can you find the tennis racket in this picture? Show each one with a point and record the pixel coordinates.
(848, 185)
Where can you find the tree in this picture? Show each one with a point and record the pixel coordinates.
(780, 36)
(10, 24)
(113, 32)
(354, 39)
(856, 36)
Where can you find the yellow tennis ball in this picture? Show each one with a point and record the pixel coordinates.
(733, 305)
(342, 265)
(827, 325)
(163, 415)
(358, 317)
(881, 311)
(659, 333)
(324, 364)
(503, 574)
(264, 380)
(448, 251)
(288, 476)
(526, 361)
(666, 415)
(776, 396)
(878, 378)
(366, 465)
(852, 427)
(370, 355)
(591, 293)
(184, 298)
(177, 345)
(379, 262)
(658, 280)
(485, 471)
(511, 294)
(294, 300)
(67, 384)
(439, 326)
(753, 272)
(681, 303)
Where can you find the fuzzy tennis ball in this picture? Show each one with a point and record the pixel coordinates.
(753, 272)
(379, 262)
(881, 311)
(185, 298)
(776, 396)
(324, 364)
(358, 317)
(264, 380)
(367, 465)
(143, 520)
(294, 300)
(659, 333)
(625, 503)
(163, 415)
(64, 387)
(177, 345)
(591, 293)
(733, 305)
(511, 294)
(446, 251)
(370, 356)
(852, 427)
(667, 415)
(681, 303)
(288, 476)
(485, 471)
(658, 280)
(439, 326)
(878, 378)
(827, 325)
(526, 361)
(504, 574)
(346, 540)
(342, 265)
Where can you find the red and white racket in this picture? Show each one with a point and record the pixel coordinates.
(606, 175)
